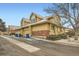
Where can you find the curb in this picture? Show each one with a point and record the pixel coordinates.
(50, 41)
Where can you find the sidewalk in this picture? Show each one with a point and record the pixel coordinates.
(62, 41)
(70, 42)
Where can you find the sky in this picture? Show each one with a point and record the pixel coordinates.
(12, 13)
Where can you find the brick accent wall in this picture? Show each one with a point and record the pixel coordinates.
(40, 33)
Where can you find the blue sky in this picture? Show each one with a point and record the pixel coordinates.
(12, 13)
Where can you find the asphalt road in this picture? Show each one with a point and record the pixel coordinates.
(46, 49)
(9, 49)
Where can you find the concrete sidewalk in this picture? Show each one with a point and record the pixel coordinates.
(70, 42)
(62, 41)
(23, 45)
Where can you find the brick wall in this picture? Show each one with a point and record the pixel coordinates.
(40, 33)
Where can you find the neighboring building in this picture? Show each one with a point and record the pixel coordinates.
(40, 27)
(11, 29)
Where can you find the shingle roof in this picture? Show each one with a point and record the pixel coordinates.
(36, 15)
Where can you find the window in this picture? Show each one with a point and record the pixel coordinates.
(53, 28)
(33, 19)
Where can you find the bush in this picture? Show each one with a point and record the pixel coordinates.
(70, 33)
(57, 37)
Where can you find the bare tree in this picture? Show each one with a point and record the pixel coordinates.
(69, 11)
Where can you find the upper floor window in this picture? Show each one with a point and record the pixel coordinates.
(33, 19)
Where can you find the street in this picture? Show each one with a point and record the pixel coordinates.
(46, 49)
(9, 49)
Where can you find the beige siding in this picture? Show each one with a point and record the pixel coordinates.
(40, 27)
(55, 20)
(27, 30)
(55, 30)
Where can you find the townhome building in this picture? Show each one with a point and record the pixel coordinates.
(39, 26)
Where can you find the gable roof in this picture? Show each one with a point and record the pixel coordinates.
(38, 16)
